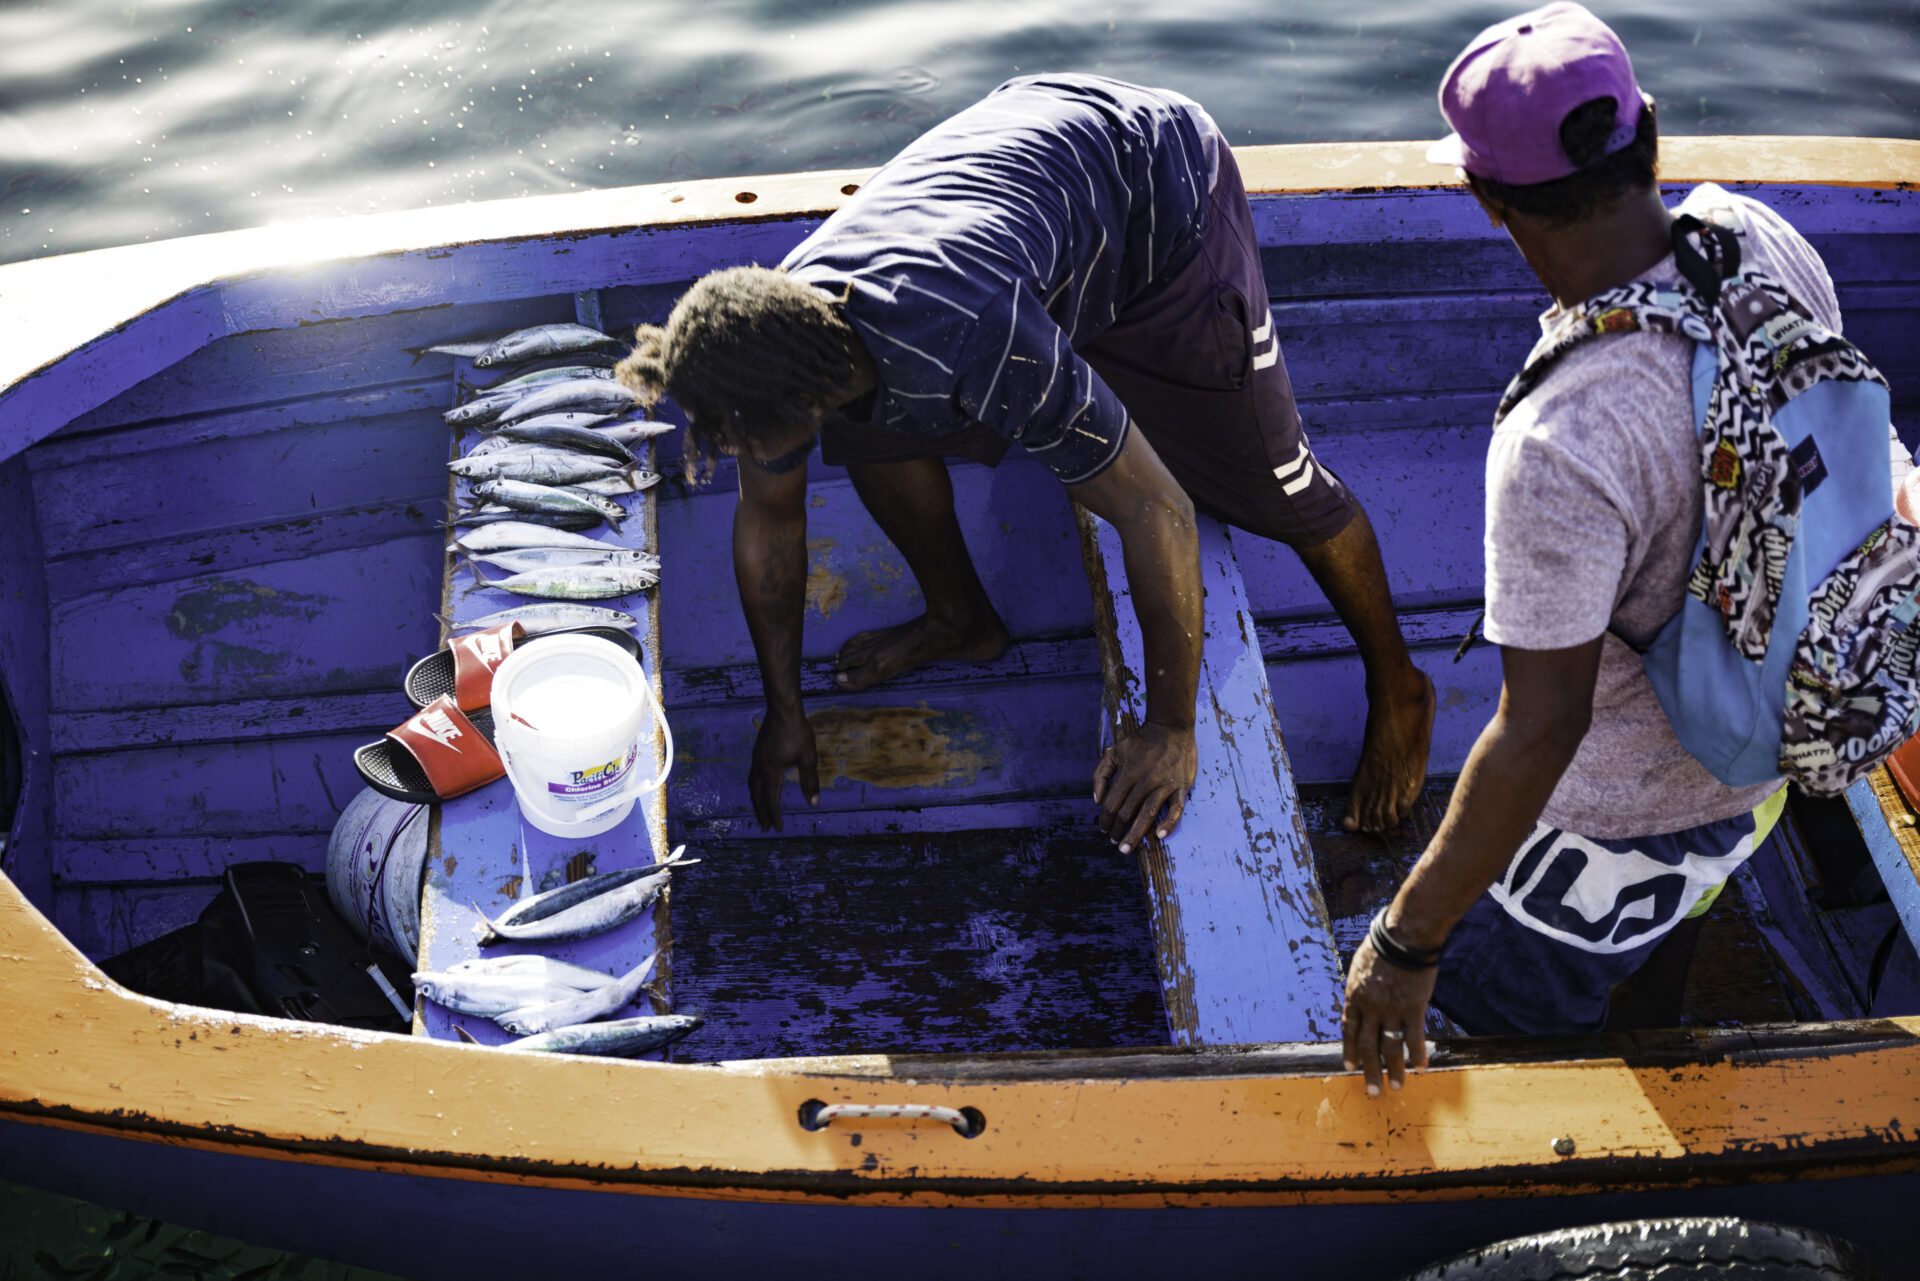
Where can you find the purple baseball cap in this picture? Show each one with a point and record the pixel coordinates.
(1507, 95)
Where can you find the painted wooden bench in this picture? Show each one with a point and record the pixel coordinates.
(1245, 949)
(481, 853)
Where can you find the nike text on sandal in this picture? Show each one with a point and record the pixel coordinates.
(465, 668)
(436, 754)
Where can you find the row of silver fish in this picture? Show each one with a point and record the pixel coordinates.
(527, 1001)
(555, 458)
(555, 1006)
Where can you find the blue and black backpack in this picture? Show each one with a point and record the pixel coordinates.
(1794, 652)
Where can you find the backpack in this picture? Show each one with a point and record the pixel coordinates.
(1793, 653)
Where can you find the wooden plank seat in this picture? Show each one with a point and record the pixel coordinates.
(481, 852)
(1240, 927)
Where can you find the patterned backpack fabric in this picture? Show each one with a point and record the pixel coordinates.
(1794, 652)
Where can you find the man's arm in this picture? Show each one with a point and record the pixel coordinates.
(1153, 767)
(770, 567)
(1546, 704)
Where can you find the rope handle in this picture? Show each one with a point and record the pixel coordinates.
(968, 1123)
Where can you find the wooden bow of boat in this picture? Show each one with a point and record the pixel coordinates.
(126, 690)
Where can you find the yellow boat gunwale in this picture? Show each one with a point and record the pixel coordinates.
(83, 1053)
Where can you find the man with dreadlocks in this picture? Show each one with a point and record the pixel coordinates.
(1064, 262)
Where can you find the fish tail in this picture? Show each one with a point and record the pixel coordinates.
(479, 579)
(465, 1035)
(493, 934)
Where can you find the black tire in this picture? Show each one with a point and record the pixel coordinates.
(1661, 1250)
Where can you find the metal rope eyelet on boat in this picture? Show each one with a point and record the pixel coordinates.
(968, 1123)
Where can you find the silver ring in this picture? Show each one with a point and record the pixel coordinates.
(1393, 1036)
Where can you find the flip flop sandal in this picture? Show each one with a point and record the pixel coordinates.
(465, 668)
(436, 754)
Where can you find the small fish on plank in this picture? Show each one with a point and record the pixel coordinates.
(578, 395)
(573, 582)
(554, 430)
(537, 341)
(541, 377)
(591, 905)
(496, 985)
(579, 1006)
(614, 484)
(538, 464)
(526, 496)
(528, 560)
(556, 616)
(499, 513)
(614, 1038)
(509, 535)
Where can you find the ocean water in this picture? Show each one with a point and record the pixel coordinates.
(131, 120)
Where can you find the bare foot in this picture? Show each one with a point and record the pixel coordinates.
(880, 655)
(1393, 760)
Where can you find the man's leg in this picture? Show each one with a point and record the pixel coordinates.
(912, 502)
(1400, 702)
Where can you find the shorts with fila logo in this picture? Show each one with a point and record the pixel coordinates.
(1196, 360)
(1572, 917)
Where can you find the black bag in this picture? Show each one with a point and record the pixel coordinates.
(271, 944)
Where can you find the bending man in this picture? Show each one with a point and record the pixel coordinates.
(1070, 264)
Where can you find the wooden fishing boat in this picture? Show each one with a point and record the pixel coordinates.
(222, 487)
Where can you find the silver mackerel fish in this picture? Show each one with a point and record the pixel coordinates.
(526, 496)
(615, 1038)
(537, 341)
(546, 618)
(497, 985)
(591, 905)
(578, 1007)
(574, 395)
(527, 560)
(573, 582)
(512, 536)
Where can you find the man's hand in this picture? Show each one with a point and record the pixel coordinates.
(1149, 768)
(785, 742)
(1384, 1021)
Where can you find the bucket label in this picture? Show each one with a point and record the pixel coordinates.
(595, 778)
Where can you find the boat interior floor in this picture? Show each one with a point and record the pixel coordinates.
(998, 940)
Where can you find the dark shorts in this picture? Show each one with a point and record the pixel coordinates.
(1197, 364)
(1573, 917)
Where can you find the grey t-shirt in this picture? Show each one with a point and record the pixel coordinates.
(1593, 509)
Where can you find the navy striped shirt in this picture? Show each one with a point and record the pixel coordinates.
(972, 263)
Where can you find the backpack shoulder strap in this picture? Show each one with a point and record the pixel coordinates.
(1637, 308)
(1684, 308)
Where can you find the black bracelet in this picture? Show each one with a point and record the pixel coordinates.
(1393, 951)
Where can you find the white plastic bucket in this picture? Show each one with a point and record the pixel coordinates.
(570, 714)
(376, 858)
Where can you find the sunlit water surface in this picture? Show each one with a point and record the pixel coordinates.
(122, 122)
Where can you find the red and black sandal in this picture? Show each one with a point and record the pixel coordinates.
(436, 754)
(465, 668)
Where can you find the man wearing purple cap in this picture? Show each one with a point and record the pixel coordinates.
(1583, 843)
